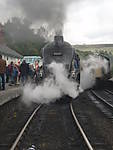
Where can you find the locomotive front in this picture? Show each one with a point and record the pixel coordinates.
(60, 51)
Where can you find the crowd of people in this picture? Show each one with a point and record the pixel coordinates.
(16, 73)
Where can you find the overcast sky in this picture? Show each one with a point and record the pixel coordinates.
(87, 21)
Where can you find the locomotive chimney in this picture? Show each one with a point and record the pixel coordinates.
(58, 39)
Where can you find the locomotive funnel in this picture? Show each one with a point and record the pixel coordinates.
(58, 39)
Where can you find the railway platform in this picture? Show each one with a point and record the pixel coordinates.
(9, 93)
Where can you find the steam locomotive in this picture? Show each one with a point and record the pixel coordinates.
(60, 51)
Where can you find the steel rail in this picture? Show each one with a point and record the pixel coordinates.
(80, 128)
(102, 99)
(110, 92)
(24, 128)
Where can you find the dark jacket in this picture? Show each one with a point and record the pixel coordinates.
(24, 69)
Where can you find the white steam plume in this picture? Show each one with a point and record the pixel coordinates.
(52, 88)
(89, 67)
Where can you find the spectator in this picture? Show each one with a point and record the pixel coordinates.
(2, 71)
(24, 70)
(15, 74)
(36, 67)
(37, 75)
(11, 67)
(31, 71)
(18, 69)
(0, 83)
(7, 74)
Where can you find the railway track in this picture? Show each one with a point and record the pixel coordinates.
(59, 126)
(104, 101)
(95, 124)
(105, 97)
(110, 92)
(48, 139)
(13, 116)
(80, 128)
(24, 128)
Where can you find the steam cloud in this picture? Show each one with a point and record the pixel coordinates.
(88, 73)
(49, 12)
(58, 84)
(53, 87)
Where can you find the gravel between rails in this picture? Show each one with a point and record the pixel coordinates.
(53, 129)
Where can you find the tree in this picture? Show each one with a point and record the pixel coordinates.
(20, 37)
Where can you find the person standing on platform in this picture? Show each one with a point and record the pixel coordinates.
(37, 73)
(11, 68)
(2, 71)
(24, 70)
(15, 74)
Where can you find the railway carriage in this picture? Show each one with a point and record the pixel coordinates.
(105, 73)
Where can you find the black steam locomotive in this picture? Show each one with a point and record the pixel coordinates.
(60, 51)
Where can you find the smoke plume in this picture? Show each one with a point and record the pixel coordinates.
(49, 12)
(89, 67)
(52, 88)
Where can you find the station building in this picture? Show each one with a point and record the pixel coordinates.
(7, 53)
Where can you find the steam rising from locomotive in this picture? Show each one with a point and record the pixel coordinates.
(60, 76)
(61, 73)
(60, 51)
(52, 87)
(95, 69)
